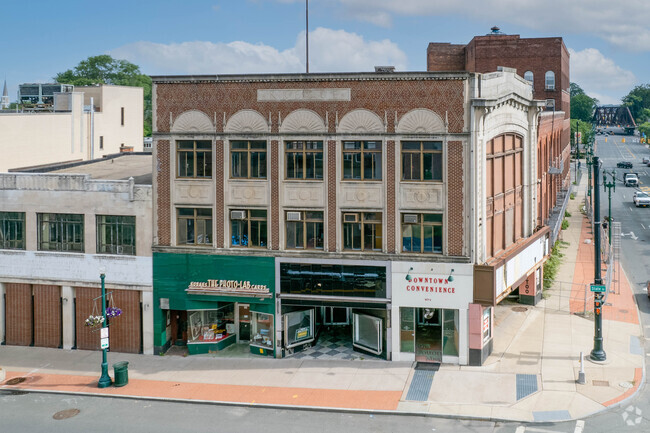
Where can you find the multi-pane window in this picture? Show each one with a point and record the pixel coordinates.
(115, 234)
(549, 80)
(362, 231)
(12, 230)
(362, 160)
(422, 160)
(60, 232)
(304, 159)
(248, 159)
(422, 233)
(194, 226)
(248, 228)
(305, 230)
(194, 158)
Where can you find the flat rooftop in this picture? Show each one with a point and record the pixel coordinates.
(115, 167)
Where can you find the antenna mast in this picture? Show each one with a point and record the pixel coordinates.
(307, 33)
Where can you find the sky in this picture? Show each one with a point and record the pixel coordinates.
(609, 42)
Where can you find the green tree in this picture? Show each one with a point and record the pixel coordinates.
(638, 100)
(644, 128)
(575, 90)
(582, 107)
(104, 69)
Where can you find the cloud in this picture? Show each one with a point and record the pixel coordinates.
(329, 51)
(599, 76)
(622, 23)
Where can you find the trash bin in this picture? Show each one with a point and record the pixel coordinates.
(121, 373)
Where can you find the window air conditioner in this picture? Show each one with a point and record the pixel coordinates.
(410, 218)
(237, 214)
(293, 216)
(350, 217)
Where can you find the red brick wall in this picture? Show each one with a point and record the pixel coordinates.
(455, 198)
(47, 316)
(162, 195)
(445, 57)
(125, 331)
(19, 314)
(275, 195)
(219, 177)
(332, 213)
(86, 338)
(390, 196)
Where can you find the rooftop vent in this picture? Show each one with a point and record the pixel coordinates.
(496, 31)
(385, 69)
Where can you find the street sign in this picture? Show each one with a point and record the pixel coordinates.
(104, 332)
(104, 343)
(598, 288)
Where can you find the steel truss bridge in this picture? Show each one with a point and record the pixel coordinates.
(614, 115)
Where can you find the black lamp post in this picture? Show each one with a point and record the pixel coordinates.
(577, 150)
(597, 354)
(608, 187)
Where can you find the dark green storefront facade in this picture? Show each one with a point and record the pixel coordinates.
(209, 302)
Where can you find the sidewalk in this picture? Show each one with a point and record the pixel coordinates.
(530, 376)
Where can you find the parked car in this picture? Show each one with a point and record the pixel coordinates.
(624, 164)
(641, 198)
(645, 160)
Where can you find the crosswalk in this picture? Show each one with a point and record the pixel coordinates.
(579, 428)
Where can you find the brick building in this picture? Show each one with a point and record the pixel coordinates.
(294, 212)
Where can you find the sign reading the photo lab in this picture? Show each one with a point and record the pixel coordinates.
(228, 287)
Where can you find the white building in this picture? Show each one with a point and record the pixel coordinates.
(58, 232)
(74, 132)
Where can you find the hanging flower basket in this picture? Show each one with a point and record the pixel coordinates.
(93, 320)
(113, 312)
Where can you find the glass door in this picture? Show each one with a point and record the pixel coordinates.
(244, 322)
(367, 333)
(428, 335)
(407, 329)
(337, 316)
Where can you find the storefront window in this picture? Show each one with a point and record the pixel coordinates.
(450, 333)
(262, 330)
(333, 280)
(407, 329)
(299, 327)
(211, 325)
(368, 333)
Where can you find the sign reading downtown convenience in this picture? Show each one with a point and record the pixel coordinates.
(228, 287)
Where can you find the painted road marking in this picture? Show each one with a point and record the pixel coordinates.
(643, 226)
(580, 425)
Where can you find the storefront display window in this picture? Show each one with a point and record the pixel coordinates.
(487, 325)
(262, 330)
(211, 325)
(299, 327)
(407, 329)
(368, 333)
(450, 333)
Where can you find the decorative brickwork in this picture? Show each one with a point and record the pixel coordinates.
(125, 330)
(275, 195)
(162, 197)
(390, 196)
(331, 196)
(383, 97)
(455, 199)
(47, 316)
(18, 314)
(220, 231)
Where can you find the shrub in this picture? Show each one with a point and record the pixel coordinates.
(565, 224)
(572, 196)
(567, 214)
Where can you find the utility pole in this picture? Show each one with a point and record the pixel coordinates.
(608, 186)
(597, 354)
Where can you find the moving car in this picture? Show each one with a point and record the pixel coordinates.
(645, 160)
(641, 198)
(624, 164)
(631, 179)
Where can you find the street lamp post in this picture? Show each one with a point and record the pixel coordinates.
(608, 187)
(589, 155)
(104, 380)
(597, 354)
(577, 150)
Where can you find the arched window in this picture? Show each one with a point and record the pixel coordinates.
(528, 76)
(549, 79)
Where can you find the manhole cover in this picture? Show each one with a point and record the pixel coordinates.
(519, 309)
(64, 414)
(600, 382)
(625, 385)
(623, 310)
(15, 381)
